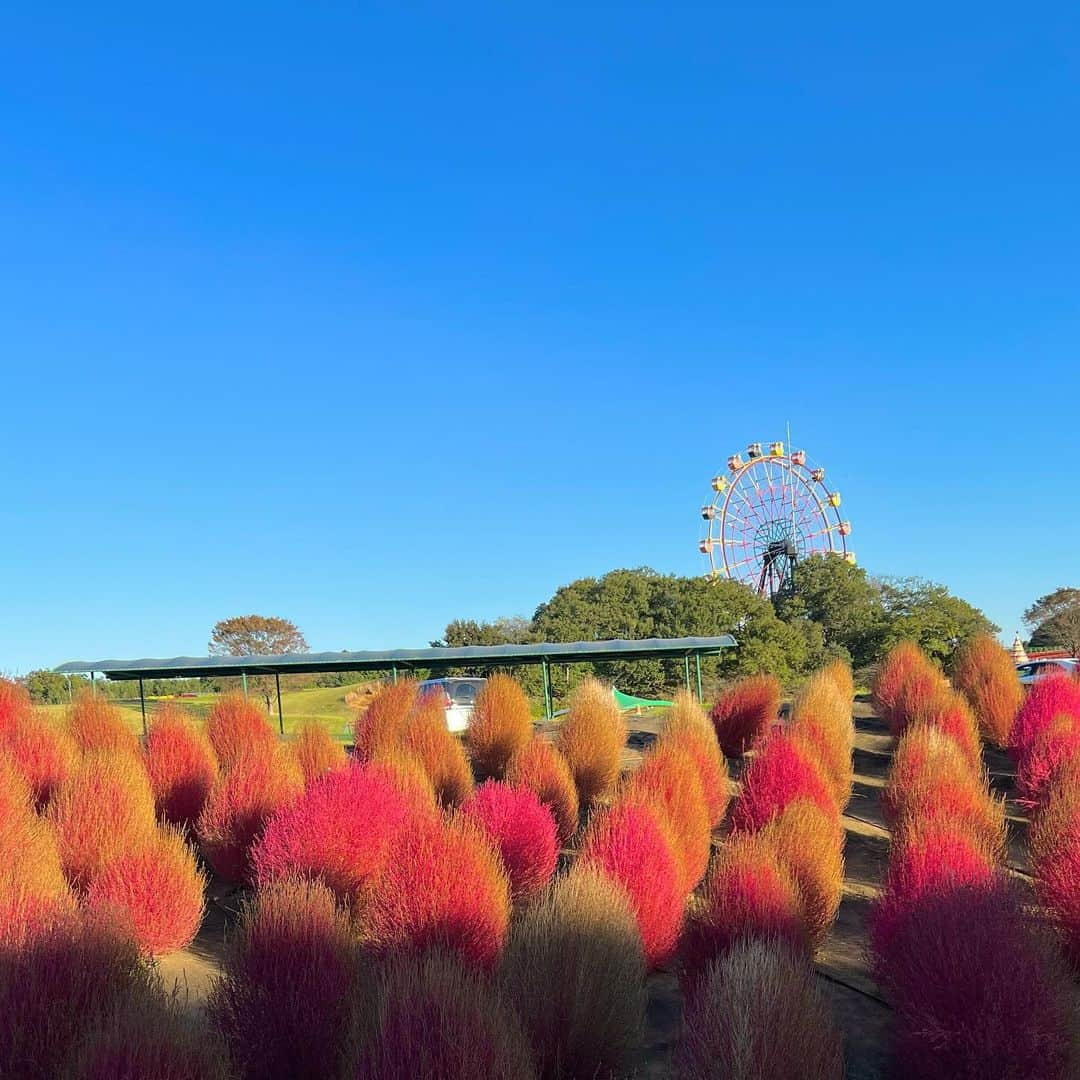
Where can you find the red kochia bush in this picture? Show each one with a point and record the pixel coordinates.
(316, 752)
(239, 806)
(785, 769)
(539, 767)
(899, 664)
(149, 1035)
(749, 895)
(1048, 698)
(760, 1015)
(237, 729)
(103, 810)
(978, 993)
(522, 829)
(688, 729)
(181, 764)
(43, 753)
(631, 844)
(1048, 752)
(97, 724)
(339, 831)
(743, 715)
(158, 888)
(985, 674)
(931, 861)
(57, 988)
(436, 1018)
(1057, 880)
(382, 724)
(667, 780)
(443, 885)
(289, 984)
(15, 705)
(501, 724)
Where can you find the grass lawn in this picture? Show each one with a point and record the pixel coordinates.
(326, 704)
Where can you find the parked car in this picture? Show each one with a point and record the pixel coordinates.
(459, 698)
(1038, 669)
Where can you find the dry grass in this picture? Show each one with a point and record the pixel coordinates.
(690, 730)
(316, 752)
(760, 1015)
(591, 740)
(575, 970)
(181, 764)
(427, 737)
(667, 780)
(984, 672)
(436, 1018)
(239, 806)
(97, 724)
(158, 890)
(289, 982)
(631, 844)
(743, 715)
(103, 810)
(500, 726)
(443, 885)
(810, 843)
(539, 767)
(381, 725)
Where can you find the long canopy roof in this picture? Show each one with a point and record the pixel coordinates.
(430, 659)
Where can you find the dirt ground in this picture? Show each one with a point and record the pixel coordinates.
(862, 1014)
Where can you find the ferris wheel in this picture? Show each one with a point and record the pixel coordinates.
(770, 510)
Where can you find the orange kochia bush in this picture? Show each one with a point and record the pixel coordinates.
(45, 754)
(539, 767)
(687, 728)
(97, 724)
(238, 729)
(381, 725)
(591, 739)
(427, 737)
(501, 724)
(984, 672)
(104, 809)
(181, 764)
(316, 752)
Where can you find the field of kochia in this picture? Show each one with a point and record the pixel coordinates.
(509, 904)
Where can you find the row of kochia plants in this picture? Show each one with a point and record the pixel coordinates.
(428, 906)
(975, 963)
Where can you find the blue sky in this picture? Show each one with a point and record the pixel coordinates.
(377, 315)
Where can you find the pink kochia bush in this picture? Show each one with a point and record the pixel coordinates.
(1051, 748)
(631, 844)
(786, 769)
(339, 831)
(239, 806)
(1049, 698)
(289, 984)
(1057, 881)
(522, 829)
(977, 991)
(159, 890)
(443, 886)
(181, 764)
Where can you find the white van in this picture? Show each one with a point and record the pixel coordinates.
(459, 698)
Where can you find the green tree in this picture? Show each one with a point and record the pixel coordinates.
(46, 687)
(844, 601)
(1055, 620)
(929, 614)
